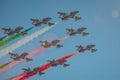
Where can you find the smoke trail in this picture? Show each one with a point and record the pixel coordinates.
(23, 41)
(2, 66)
(25, 76)
(12, 64)
(62, 39)
(16, 77)
(3, 37)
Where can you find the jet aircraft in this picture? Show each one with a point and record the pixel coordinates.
(37, 22)
(66, 16)
(30, 71)
(56, 63)
(10, 31)
(88, 47)
(73, 32)
(47, 44)
(17, 57)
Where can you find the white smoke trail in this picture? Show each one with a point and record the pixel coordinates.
(24, 40)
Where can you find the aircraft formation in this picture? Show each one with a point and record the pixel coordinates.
(37, 23)
(47, 44)
(53, 63)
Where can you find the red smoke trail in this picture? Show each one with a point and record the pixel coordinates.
(64, 38)
(25, 76)
(14, 63)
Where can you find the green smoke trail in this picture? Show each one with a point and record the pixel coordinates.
(3, 65)
(5, 42)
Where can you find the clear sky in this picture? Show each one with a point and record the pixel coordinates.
(100, 17)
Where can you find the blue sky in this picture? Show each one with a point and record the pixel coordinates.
(100, 17)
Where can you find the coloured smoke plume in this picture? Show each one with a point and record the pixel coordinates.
(25, 76)
(24, 40)
(13, 63)
(31, 54)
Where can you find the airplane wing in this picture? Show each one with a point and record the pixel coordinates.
(93, 50)
(51, 61)
(18, 28)
(77, 18)
(65, 65)
(28, 59)
(2, 28)
(28, 69)
(84, 33)
(92, 45)
(36, 22)
(5, 29)
(79, 47)
(41, 73)
(36, 69)
(81, 29)
(65, 18)
(10, 33)
(58, 46)
(34, 19)
(50, 24)
(23, 55)
(74, 12)
(47, 19)
(72, 33)
(70, 30)
(61, 13)
(13, 54)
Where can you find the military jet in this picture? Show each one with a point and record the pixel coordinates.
(66, 16)
(81, 48)
(47, 44)
(73, 32)
(37, 22)
(10, 31)
(35, 70)
(56, 63)
(17, 57)
(88, 47)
